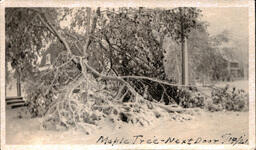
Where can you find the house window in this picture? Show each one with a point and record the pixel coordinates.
(234, 65)
(48, 59)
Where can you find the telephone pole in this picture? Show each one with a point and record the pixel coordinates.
(184, 51)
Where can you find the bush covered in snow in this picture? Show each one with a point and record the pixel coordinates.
(230, 99)
(190, 98)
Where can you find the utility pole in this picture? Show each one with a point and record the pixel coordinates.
(184, 62)
(184, 51)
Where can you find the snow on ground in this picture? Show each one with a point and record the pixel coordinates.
(208, 125)
(205, 124)
(241, 84)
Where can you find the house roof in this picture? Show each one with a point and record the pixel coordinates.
(230, 59)
(55, 49)
(228, 56)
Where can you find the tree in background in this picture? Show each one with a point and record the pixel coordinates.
(209, 55)
(187, 20)
(130, 40)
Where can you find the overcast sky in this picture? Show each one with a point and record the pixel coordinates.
(235, 20)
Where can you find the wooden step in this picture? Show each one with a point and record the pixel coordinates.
(15, 102)
(18, 105)
(14, 98)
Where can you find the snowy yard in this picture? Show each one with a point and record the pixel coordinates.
(204, 124)
(207, 125)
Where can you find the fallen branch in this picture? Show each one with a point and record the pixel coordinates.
(117, 78)
(162, 82)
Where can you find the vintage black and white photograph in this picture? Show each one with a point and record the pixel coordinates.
(126, 75)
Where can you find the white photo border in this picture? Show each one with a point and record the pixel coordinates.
(132, 3)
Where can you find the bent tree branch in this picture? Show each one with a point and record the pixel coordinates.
(45, 20)
(84, 65)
